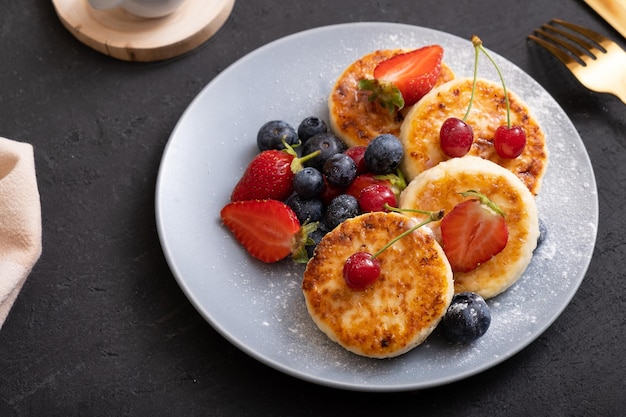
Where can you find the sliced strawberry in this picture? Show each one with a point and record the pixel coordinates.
(414, 73)
(472, 233)
(268, 229)
(269, 175)
(411, 74)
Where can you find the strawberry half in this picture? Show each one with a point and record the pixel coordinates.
(473, 232)
(268, 229)
(270, 175)
(405, 78)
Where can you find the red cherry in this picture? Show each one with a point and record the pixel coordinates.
(375, 196)
(330, 192)
(455, 137)
(356, 153)
(509, 142)
(361, 270)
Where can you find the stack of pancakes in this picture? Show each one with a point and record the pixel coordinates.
(416, 285)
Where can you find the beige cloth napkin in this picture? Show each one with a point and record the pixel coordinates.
(20, 220)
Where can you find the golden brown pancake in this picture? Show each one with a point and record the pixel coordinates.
(399, 310)
(355, 119)
(420, 129)
(439, 188)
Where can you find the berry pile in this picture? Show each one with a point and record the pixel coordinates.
(317, 180)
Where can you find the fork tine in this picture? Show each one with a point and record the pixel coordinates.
(598, 69)
(592, 50)
(594, 36)
(563, 56)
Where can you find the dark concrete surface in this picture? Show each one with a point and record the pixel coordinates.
(101, 327)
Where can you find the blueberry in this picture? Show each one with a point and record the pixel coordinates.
(383, 154)
(308, 182)
(316, 236)
(341, 208)
(307, 210)
(272, 134)
(468, 317)
(310, 127)
(328, 145)
(340, 170)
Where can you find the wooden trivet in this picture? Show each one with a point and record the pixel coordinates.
(122, 35)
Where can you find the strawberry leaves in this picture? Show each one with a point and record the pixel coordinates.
(473, 232)
(388, 95)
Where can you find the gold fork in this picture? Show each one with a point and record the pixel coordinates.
(597, 62)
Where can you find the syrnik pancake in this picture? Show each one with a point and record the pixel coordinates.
(439, 188)
(400, 309)
(353, 117)
(420, 129)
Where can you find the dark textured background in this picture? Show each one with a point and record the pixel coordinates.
(101, 327)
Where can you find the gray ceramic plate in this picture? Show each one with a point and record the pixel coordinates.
(260, 308)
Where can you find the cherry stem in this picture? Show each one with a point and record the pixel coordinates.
(433, 216)
(483, 200)
(478, 45)
(469, 106)
(308, 156)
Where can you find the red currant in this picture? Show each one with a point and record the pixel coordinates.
(455, 137)
(509, 142)
(361, 270)
(375, 196)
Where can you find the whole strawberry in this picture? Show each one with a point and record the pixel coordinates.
(269, 175)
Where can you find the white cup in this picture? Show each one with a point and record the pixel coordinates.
(142, 8)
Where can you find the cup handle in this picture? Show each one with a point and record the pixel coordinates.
(104, 4)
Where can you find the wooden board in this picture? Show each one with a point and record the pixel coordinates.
(120, 34)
